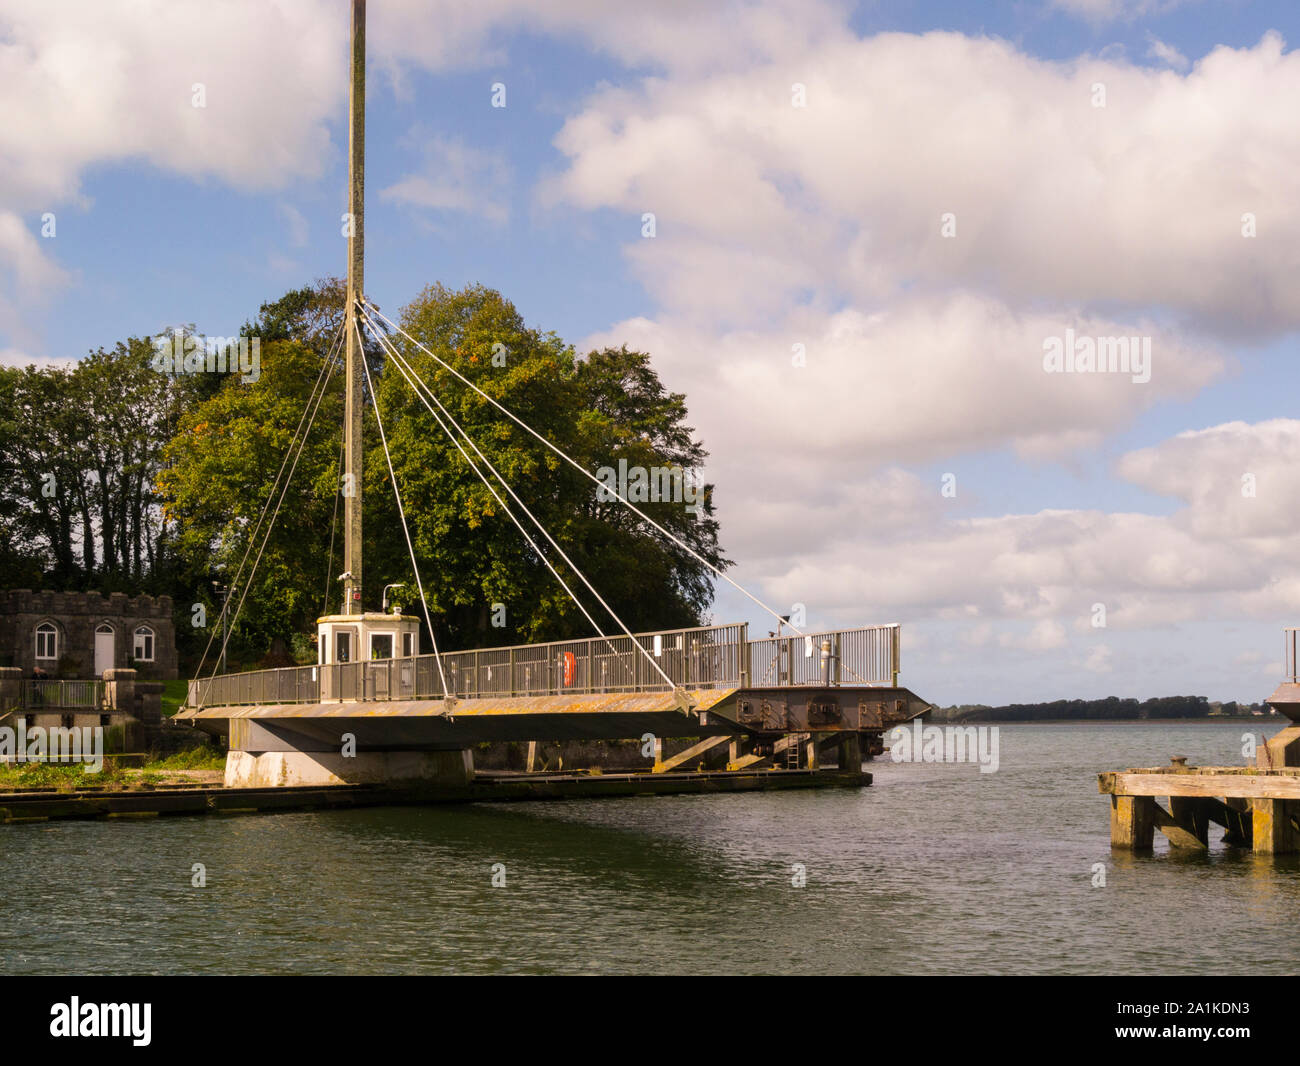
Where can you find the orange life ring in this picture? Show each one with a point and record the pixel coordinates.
(570, 668)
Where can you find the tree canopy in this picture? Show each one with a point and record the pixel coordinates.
(121, 473)
(220, 466)
(605, 407)
(79, 454)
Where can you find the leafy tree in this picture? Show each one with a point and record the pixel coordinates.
(221, 468)
(224, 459)
(598, 410)
(22, 556)
(312, 315)
(80, 451)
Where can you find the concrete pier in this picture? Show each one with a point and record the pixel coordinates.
(297, 769)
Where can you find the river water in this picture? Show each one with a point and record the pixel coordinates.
(937, 868)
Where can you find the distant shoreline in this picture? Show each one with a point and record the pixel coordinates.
(1210, 720)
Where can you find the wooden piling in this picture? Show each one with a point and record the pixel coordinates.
(1274, 824)
(1132, 822)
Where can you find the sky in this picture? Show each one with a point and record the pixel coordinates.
(874, 223)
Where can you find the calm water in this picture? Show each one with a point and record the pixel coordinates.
(934, 869)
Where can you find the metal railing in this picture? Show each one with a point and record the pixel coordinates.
(62, 695)
(866, 656)
(704, 657)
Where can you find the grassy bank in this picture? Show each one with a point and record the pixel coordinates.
(173, 695)
(182, 768)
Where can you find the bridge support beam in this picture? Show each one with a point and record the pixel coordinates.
(269, 756)
(289, 769)
(696, 753)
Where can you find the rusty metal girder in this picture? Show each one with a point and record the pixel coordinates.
(821, 709)
(763, 714)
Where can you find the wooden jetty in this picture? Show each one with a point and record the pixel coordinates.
(1257, 806)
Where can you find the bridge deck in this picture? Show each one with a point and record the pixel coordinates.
(432, 724)
(599, 689)
(712, 657)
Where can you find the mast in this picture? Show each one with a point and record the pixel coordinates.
(355, 372)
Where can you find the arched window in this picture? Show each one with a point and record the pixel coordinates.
(47, 641)
(144, 644)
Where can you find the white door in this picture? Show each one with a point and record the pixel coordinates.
(103, 650)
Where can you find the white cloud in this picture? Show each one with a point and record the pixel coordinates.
(14, 357)
(28, 275)
(1136, 204)
(1166, 53)
(1239, 480)
(821, 227)
(454, 177)
(110, 83)
(665, 34)
(296, 225)
(927, 379)
(1028, 582)
(1045, 635)
(90, 84)
(1099, 660)
(1100, 11)
(25, 255)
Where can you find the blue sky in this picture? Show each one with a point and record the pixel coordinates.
(923, 355)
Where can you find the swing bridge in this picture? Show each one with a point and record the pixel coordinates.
(373, 709)
(761, 703)
(720, 683)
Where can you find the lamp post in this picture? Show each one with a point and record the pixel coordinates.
(393, 585)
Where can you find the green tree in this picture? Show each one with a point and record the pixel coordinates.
(23, 556)
(220, 470)
(607, 407)
(222, 462)
(79, 450)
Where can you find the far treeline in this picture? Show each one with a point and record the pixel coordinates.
(1112, 708)
(118, 475)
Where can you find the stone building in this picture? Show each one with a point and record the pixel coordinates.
(82, 634)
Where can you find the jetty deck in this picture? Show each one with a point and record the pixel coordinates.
(1257, 806)
(1258, 809)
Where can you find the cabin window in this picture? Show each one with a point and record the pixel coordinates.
(342, 647)
(47, 641)
(381, 645)
(408, 645)
(144, 639)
